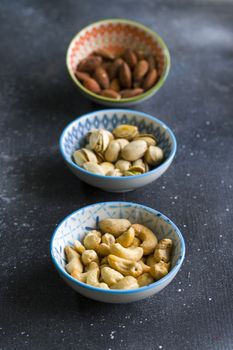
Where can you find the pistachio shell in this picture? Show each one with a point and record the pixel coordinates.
(125, 131)
(114, 172)
(154, 155)
(84, 155)
(149, 140)
(93, 168)
(122, 165)
(137, 169)
(122, 142)
(106, 166)
(112, 152)
(99, 140)
(141, 163)
(134, 150)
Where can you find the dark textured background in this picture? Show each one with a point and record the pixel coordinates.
(38, 311)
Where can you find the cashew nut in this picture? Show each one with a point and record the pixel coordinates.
(126, 239)
(110, 276)
(88, 256)
(125, 266)
(149, 240)
(82, 277)
(74, 261)
(145, 267)
(92, 279)
(136, 242)
(108, 239)
(150, 261)
(104, 249)
(78, 246)
(163, 250)
(114, 226)
(145, 279)
(134, 254)
(127, 282)
(159, 270)
(93, 265)
(92, 240)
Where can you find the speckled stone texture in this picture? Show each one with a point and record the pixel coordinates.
(37, 99)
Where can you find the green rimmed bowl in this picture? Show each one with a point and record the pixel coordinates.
(115, 35)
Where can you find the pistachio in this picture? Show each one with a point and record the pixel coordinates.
(114, 172)
(134, 150)
(122, 165)
(154, 155)
(93, 168)
(84, 155)
(134, 170)
(125, 131)
(106, 166)
(122, 142)
(150, 139)
(99, 140)
(142, 164)
(112, 152)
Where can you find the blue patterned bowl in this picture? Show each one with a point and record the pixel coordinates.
(77, 224)
(73, 137)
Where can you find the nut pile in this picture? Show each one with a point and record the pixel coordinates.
(122, 152)
(120, 255)
(125, 76)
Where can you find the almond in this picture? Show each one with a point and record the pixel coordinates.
(101, 77)
(89, 64)
(92, 85)
(115, 85)
(105, 53)
(151, 62)
(82, 76)
(110, 93)
(114, 68)
(140, 70)
(125, 75)
(150, 79)
(140, 54)
(130, 58)
(131, 92)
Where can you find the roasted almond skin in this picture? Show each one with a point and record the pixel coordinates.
(105, 53)
(131, 92)
(110, 93)
(150, 79)
(101, 77)
(89, 64)
(82, 76)
(151, 62)
(125, 76)
(140, 54)
(114, 68)
(115, 85)
(140, 70)
(92, 85)
(130, 58)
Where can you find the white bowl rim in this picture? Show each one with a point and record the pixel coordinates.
(122, 110)
(171, 274)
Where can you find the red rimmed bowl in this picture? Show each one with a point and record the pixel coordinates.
(116, 35)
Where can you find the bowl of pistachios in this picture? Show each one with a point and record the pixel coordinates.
(118, 150)
(117, 252)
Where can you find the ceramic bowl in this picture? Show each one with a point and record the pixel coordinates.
(115, 35)
(73, 138)
(76, 225)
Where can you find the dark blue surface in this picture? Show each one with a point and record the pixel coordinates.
(37, 100)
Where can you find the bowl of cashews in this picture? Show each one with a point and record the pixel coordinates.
(117, 252)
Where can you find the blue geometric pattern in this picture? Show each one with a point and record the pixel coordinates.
(79, 223)
(74, 137)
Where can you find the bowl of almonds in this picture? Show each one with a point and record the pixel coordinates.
(118, 150)
(117, 252)
(118, 62)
